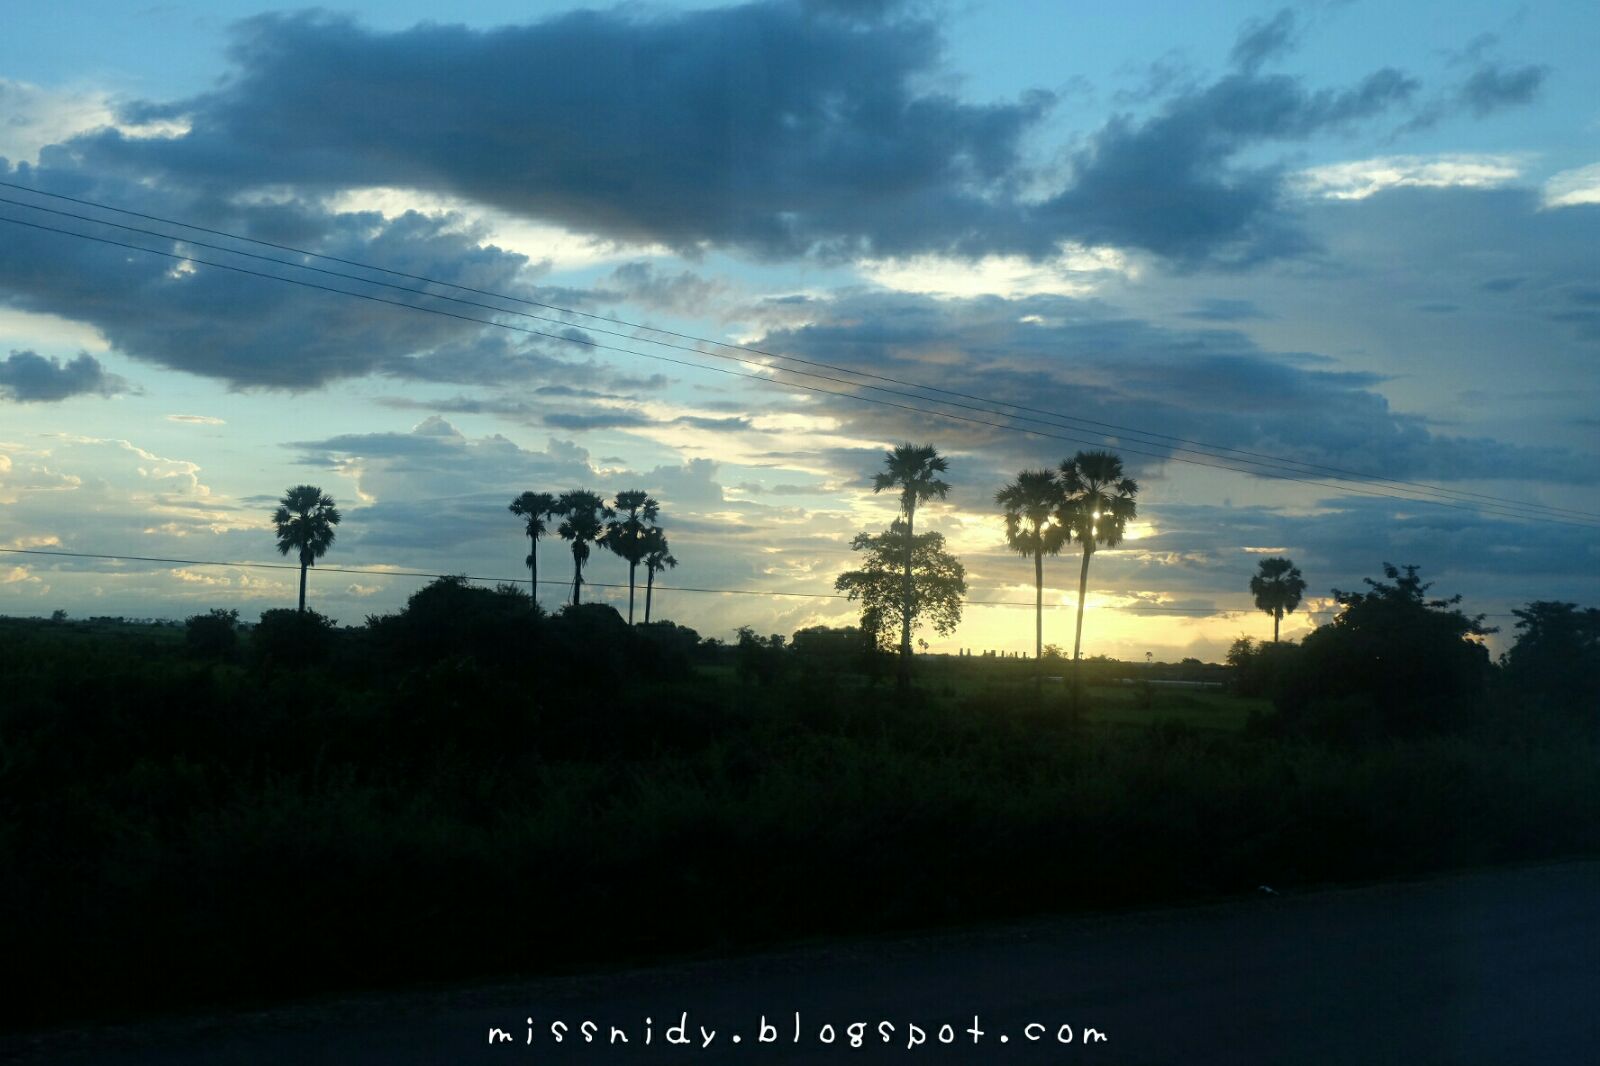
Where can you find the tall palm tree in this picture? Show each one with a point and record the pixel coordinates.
(1277, 588)
(1096, 506)
(625, 534)
(911, 469)
(304, 523)
(1030, 505)
(582, 523)
(656, 558)
(535, 508)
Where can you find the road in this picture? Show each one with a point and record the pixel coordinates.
(1494, 967)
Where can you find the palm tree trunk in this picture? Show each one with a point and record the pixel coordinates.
(632, 567)
(649, 587)
(1077, 637)
(533, 571)
(1277, 615)
(1038, 620)
(577, 579)
(905, 606)
(302, 607)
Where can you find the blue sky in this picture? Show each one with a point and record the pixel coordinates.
(1342, 234)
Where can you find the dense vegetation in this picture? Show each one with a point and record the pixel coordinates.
(446, 793)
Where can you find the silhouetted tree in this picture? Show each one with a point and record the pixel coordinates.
(1277, 588)
(939, 582)
(1393, 663)
(911, 469)
(584, 515)
(1030, 505)
(535, 509)
(656, 559)
(304, 523)
(1097, 504)
(628, 534)
(1556, 658)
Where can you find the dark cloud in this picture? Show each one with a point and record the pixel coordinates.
(777, 129)
(251, 331)
(642, 283)
(570, 420)
(1263, 39)
(28, 377)
(771, 127)
(1492, 87)
(1054, 354)
(1171, 184)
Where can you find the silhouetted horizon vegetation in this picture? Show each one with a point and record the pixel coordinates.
(472, 786)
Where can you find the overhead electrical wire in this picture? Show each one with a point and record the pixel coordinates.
(1274, 464)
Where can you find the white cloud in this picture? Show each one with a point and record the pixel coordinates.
(1359, 179)
(197, 420)
(36, 117)
(1570, 188)
(558, 248)
(1077, 271)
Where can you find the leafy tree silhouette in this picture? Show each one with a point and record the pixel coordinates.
(912, 469)
(304, 523)
(1277, 588)
(657, 557)
(582, 523)
(1556, 658)
(627, 535)
(535, 509)
(1029, 505)
(939, 582)
(1096, 506)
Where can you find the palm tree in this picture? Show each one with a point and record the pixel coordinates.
(626, 535)
(656, 558)
(582, 524)
(304, 522)
(1030, 504)
(1096, 505)
(534, 508)
(1277, 588)
(911, 469)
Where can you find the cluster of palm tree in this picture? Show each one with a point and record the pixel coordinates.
(627, 526)
(1087, 499)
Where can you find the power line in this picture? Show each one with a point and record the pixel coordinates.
(1429, 493)
(1149, 609)
(1497, 510)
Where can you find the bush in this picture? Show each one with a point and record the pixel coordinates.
(1413, 660)
(213, 635)
(291, 638)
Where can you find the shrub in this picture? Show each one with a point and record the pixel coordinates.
(291, 638)
(213, 635)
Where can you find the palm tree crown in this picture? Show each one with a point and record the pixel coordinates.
(582, 523)
(1277, 587)
(534, 508)
(912, 469)
(304, 523)
(657, 557)
(1096, 507)
(625, 534)
(1029, 505)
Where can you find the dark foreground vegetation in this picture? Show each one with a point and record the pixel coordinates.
(202, 815)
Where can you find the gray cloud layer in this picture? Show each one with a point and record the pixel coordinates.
(28, 377)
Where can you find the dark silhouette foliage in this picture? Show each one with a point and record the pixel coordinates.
(1393, 663)
(1262, 669)
(1556, 658)
(285, 638)
(759, 660)
(213, 635)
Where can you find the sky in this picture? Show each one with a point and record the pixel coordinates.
(1359, 238)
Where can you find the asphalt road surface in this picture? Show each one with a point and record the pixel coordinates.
(1497, 967)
